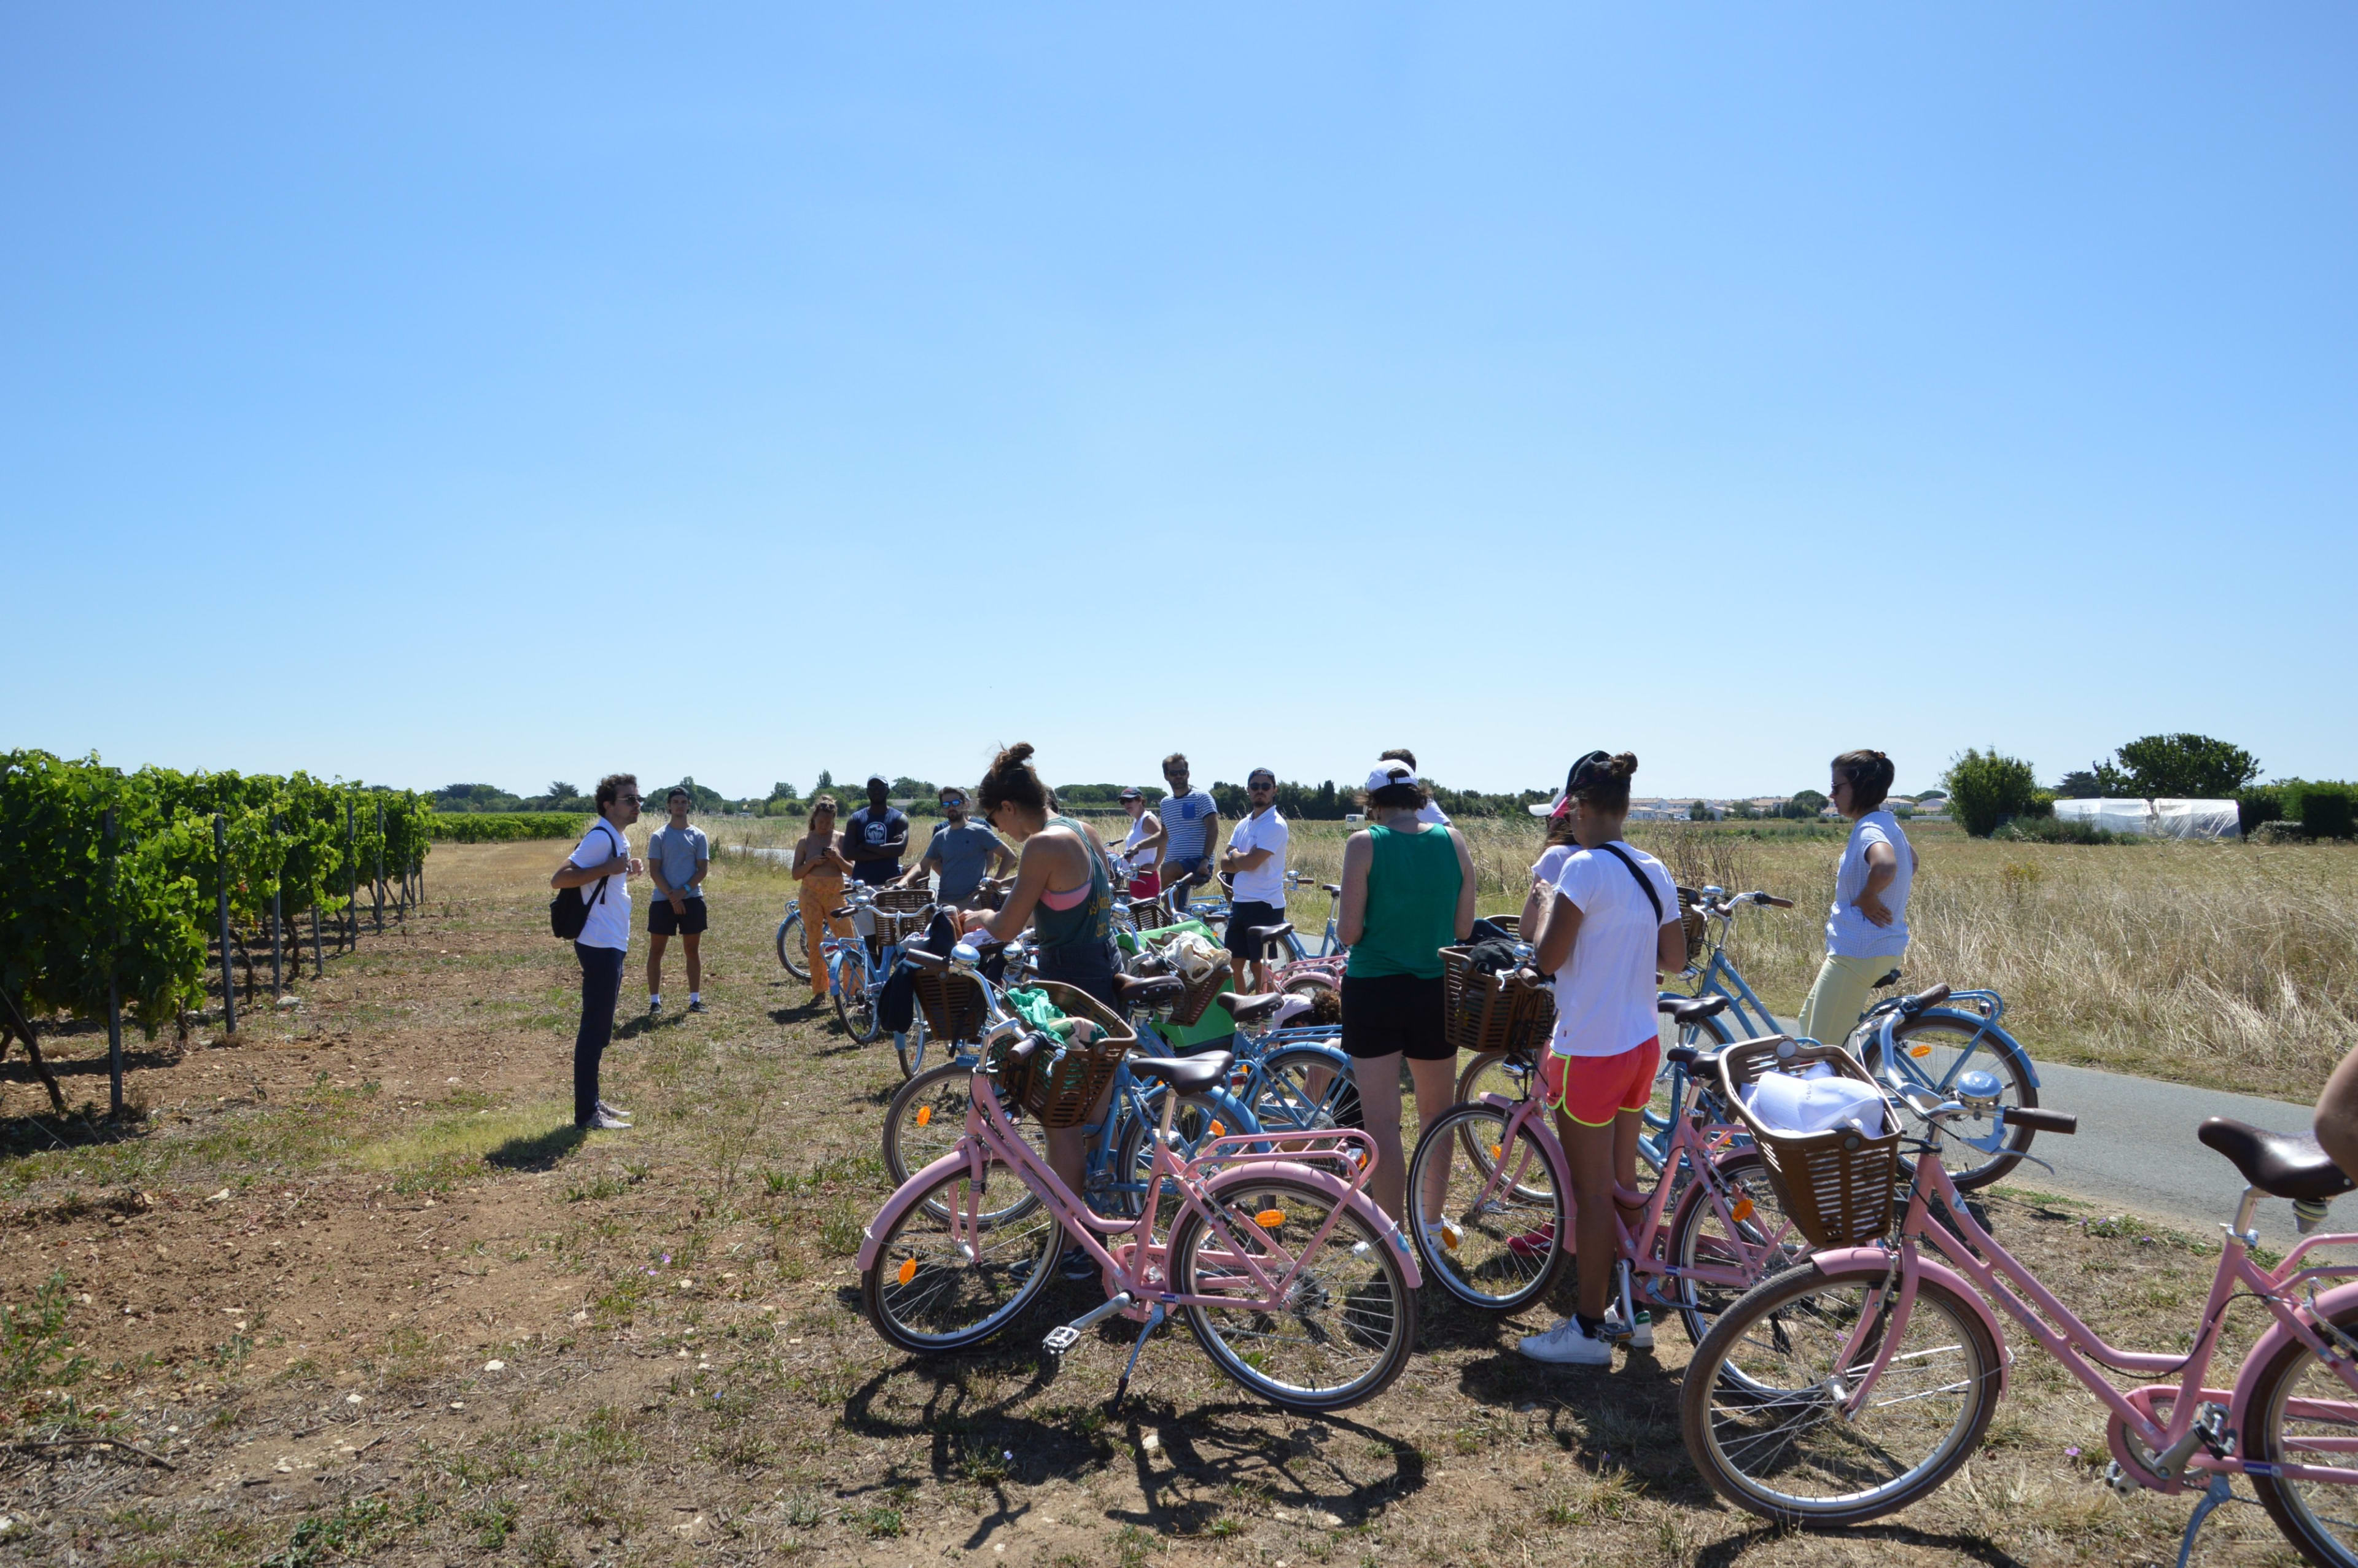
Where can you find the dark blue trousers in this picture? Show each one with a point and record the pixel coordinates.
(601, 991)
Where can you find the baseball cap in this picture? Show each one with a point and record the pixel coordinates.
(1384, 774)
(1576, 777)
(1129, 794)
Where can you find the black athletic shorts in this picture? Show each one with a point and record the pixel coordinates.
(1384, 1013)
(662, 922)
(1243, 917)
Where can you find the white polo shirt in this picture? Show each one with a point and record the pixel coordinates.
(610, 917)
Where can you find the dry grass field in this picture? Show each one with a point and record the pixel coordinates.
(354, 1280)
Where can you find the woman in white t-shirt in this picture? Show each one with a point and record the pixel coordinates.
(1610, 928)
(1866, 928)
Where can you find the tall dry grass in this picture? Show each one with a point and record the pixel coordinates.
(2229, 964)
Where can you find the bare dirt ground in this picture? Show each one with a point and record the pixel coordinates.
(352, 1289)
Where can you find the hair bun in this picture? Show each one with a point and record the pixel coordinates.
(1015, 756)
(1624, 765)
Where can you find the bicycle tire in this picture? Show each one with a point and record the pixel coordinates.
(1698, 1238)
(1199, 1119)
(1487, 1074)
(793, 951)
(1767, 1328)
(926, 1119)
(974, 1295)
(2009, 1061)
(1364, 1298)
(1287, 1100)
(856, 1012)
(1503, 1268)
(909, 1046)
(2262, 1439)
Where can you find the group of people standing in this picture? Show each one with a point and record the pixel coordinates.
(1601, 915)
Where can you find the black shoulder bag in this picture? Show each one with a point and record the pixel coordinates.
(1652, 896)
(568, 912)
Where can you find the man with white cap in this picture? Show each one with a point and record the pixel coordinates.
(1430, 811)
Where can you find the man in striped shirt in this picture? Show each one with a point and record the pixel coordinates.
(1189, 820)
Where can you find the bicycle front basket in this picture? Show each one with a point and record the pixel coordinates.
(1062, 1090)
(1691, 923)
(1492, 1012)
(1836, 1186)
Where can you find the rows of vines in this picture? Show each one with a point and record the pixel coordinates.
(84, 909)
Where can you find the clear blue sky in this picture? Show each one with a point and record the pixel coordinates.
(438, 393)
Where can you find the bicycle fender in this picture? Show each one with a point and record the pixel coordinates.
(1360, 1202)
(904, 1198)
(1998, 1039)
(2330, 1304)
(1836, 1261)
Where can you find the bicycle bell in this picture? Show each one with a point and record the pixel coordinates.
(1978, 1090)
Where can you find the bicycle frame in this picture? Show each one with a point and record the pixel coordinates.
(2082, 1351)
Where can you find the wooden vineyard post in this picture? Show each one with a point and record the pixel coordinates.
(352, 881)
(113, 1002)
(318, 957)
(220, 900)
(377, 892)
(277, 888)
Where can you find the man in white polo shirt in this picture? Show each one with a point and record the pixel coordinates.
(603, 858)
(1255, 859)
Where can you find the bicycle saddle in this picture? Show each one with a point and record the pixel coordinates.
(1187, 1074)
(2281, 1164)
(1146, 991)
(1270, 932)
(1251, 1009)
(1684, 1013)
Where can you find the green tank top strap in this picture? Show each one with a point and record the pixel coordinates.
(1413, 880)
(1091, 920)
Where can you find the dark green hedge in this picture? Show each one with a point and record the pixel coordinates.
(504, 827)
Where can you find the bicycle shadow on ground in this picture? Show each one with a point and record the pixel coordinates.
(1191, 1472)
(1727, 1552)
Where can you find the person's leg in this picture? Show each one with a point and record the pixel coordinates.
(1436, 1091)
(688, 941)
(1380, 1108)
(815, 925)
(601, 989)
(1838, 996)
(1589, 1151)
(657, 942)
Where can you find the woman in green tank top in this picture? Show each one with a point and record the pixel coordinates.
(1408, 891)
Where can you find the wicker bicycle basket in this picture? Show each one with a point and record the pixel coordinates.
(1194, 996)
(1691, 922)
(902, 900)
(952, 1003)
(1491, 1013)
(899, 927)
(1059, 1089)
(1836, 1186)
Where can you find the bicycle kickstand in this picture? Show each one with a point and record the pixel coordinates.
(2218, 1492)
(1154, 1322)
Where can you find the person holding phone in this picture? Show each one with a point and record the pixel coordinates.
(603, 857)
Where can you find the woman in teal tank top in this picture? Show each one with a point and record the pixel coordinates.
(1408, 891)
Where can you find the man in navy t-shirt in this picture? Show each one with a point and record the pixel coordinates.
(875, 837)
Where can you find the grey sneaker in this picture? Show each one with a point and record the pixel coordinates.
(605, 1121)
(614, 1110)
(696, 1006)
(655, 1007)
(1566, 1346)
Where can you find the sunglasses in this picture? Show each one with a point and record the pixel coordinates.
(953, 800)
(1272, 785)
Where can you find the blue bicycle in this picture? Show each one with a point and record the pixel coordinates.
(856, 976)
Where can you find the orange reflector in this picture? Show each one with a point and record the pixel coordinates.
(908, 1270)
(1497, 1151)
(924, 1115)
(1742, 1211)
(1217, 1130)
(1269, 1218)
(1920, 1050)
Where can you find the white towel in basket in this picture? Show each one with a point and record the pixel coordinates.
(1799, 1103)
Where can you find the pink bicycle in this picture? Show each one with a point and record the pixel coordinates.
(1292, 1280)
(1849, 1389)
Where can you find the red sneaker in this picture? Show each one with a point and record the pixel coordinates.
(1532, 1243)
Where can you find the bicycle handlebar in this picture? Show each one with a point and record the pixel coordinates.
(2040, 1120)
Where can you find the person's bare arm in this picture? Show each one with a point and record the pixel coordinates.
(1671, 947)
(569, 875)
(1467, 889)
(2337, 1114)
(1534, 903)
(925, 867)
(1150, 848)
(664, 890)
(1351, 906)
(1559, 928)
(1882, 865)
(1031, 869)
(703, 869)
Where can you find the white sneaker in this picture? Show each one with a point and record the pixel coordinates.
(1442, 1238)
(1566, 1346)
(1640, 1337)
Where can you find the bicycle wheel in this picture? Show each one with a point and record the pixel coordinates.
(2302, 1413)
(930, 1291)
(1492, 1072)
(1792, 1455)
(909, 1046)
(1347, 1324)
(1199, 1119)
(793, 951)
(1500, 1231)
(927, 1120)
(1754, 1238)
(855, 1003)
(1305, 1086)
(1934, 1047)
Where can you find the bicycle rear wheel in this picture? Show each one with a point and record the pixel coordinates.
(855, 1003)
(909, 1046)
(1760, 1403)
(1754, 1238)
(1346, 1322)
(793, 951)
(927, 1120)
(1934, 1047)
(1305, 1086)
(930, 1289)
(1198, 1120)
(1500, 1234)
(2302, 1413)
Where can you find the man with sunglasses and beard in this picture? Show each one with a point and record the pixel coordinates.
(965, 854)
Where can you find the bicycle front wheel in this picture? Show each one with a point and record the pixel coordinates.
(909, 1046)
(944, 1284)
(927, 1120)
(2302, 1413)
(855, 1003)
(1734, 1226)
(1302, 1086)
(1761, 1404)
(1345, 1323)
(1933, 1048)
(1497, 1233)
(793, 951)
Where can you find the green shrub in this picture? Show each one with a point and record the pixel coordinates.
(504, 827)
(2259, 804)
(1986, 788)
(2324, 807)
(2052, 829)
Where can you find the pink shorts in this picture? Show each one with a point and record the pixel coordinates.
(1593, 1091)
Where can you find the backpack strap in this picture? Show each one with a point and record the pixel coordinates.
(620, 847)
(1648, 888)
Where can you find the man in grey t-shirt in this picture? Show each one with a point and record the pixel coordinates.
(962, 853)
(677, 859)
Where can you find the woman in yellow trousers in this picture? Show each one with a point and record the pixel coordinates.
(820, 866)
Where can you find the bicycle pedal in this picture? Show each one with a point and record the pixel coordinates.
(1061, 1338)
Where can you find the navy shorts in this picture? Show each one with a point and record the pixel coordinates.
(1243, 917)
(662, 922)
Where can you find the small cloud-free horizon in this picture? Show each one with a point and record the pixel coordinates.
(535, 393)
